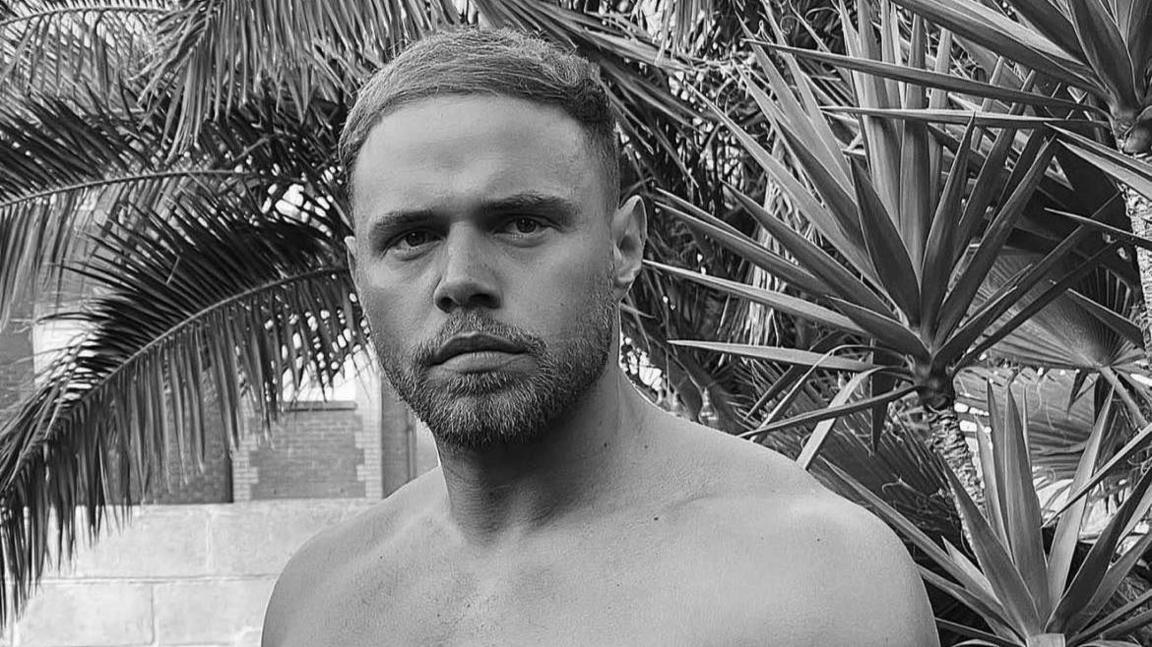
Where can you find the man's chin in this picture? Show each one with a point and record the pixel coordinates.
(475, 422)
(480, 440)
(480, 410)
(472, 385)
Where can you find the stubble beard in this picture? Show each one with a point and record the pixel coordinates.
(487, 409)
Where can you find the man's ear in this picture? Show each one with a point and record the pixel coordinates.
(629, 230)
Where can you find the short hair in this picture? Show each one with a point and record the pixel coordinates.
(501, 62)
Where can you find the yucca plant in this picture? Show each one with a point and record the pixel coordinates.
(907, 235)
(1063, 412)
(1022, 592)
(1076, 185)
(1096, 52)
(1086, 348)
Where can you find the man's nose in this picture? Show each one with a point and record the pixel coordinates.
(467, 279)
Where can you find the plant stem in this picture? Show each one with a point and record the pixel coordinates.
(947, 440)
(1139, 211)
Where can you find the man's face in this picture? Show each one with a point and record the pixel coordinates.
(484, 261)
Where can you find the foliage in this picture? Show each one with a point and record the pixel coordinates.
(178, 159)
(1099, 47)
(841, 233)
(1024, 595)
(893, 267)
(1037, 286)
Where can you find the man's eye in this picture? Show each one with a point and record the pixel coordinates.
(412, 239)
(524, 226)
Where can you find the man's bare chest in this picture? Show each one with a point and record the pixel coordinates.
(663, 592)
(560, 604)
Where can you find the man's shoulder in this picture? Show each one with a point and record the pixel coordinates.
(325, 558)
(732, 465)
(845, 570)
(774, 517)
(819, 524)
(369, 529)
(764, 494)
(746, 487)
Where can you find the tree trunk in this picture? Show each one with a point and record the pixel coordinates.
(947, 440)
(1139, 210)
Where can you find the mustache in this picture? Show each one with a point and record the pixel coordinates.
(475, 322)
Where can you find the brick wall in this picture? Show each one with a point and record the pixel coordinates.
(397, 445)
(367, 448)
(315, 450)
(16, 366)
(311, 452)
(181, 481)
(185, 482)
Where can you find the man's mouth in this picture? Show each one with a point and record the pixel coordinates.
(474, 342)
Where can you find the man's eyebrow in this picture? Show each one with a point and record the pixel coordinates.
(563, 209)
(532, 201)
(397, 220)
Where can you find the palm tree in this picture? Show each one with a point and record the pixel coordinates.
(1027, 594)
(179, 158)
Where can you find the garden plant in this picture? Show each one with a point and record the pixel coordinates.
(862, 211)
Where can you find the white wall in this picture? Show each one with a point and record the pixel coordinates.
(175, 575)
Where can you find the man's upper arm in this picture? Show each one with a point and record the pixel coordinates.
(875, 593)
(294, 582)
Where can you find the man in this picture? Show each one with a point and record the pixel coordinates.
(490, 256)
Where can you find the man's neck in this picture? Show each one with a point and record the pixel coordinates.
(505, 492)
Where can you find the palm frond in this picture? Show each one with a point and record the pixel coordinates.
(678, 26)
(641, 96)
(62, 48)
(67, 169)
(215, 55)
(1065, 334)
(199, 305)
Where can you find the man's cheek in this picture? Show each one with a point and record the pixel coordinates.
(381, 322)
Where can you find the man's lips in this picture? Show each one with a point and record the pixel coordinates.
(474, 342)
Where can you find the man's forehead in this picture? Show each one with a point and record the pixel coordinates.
(467, 156)
(449, 130)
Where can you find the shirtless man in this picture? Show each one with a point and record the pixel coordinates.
(491, 254)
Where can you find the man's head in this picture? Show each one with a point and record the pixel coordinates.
(491, 251)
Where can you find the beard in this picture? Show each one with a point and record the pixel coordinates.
(498, 407)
